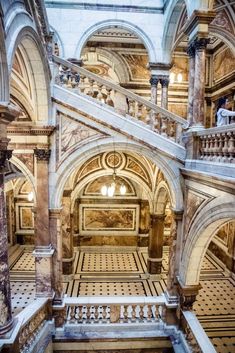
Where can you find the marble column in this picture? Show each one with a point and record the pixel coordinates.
(67, 237)
(164, 80)
(6, 320)
(56, 242)
(174, 255)
(154, 83)
(43, 249)
(230, 259)
(199, 81)
(191, 54)
(144, 223)
(155, 248)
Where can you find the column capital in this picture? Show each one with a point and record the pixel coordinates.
(42, 154)
(157, 217)
(191, 50)
(200, 43)
(188, 294)
(177, 214)
(5, 155)
(164, 80)
(154, 80)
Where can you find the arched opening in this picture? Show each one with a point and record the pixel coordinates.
(4, 79)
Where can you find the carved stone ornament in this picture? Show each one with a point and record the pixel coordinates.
(201, 43)
(164, 80)
(42, 154)
(154, 80)
(191, 50)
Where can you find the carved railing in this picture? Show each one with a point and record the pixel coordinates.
(216, 144)
(127, 103)
(103, 310)
(195, 334)
(29, 324)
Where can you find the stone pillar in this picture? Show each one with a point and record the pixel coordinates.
(67, 238)
(43, 249)
(7, 114)
(143, 223)
(56, 242)
(164, 80)
(188, 295)
(191, 54)
(199, 81)
(174, 256)
(154, 82)
(155, 248)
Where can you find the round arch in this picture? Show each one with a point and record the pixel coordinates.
(224, 36)
(120, 173)
(169, 167)
(210, 219)
(26, 172)
(162, 194)
(4, 78)
(28, 39)
(122, 24)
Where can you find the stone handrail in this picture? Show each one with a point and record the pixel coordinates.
(82, 81)
(29, 323)
(216, 144)
(195, 334)
(84, 310)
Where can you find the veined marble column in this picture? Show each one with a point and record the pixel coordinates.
(164, 80)
(174, 255)
(199, 81)
(191, 54)
(43, 249)
(143, 223)
(67, 237)
(155, 248)
(6, 320)
(56, 241)
(154, 82)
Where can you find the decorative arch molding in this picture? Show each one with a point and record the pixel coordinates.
(161, 198)
(169, 167)
(28, 39)
(121, 173)
(214, 215)
(223, 35)
(171, 22)
(4, 78)
(122, 24)
(26, 172)
(120, 68)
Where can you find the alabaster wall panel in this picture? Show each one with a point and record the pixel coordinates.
(24, 218)
(113, 220)
(224, 64)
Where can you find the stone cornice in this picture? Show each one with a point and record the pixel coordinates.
(30, 130)
(198, 17)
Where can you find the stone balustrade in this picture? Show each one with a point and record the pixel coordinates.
(125, 102)
(218, 144)
(103, 310)
(195, 334)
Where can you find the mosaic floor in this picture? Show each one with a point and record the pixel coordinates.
(124, 273)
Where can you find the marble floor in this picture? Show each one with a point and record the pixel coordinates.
(105, 272)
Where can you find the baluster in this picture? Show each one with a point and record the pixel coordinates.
(172, 131)
(141, 313)
(82, 85)
(99, 95)
(231, 147)
(148, 118)
(164, 127)
(72, 314)
(139, 114)
(104, 312)
(149, 312)
(88, 313)
(216, 147)
(156, 122)
(90, 91)
(108, 99)
(220, 148)
(131, 107)
(133, 313)
(96, 313)
(125, 313)
(79, 313)
(225, 148)
(202, 148)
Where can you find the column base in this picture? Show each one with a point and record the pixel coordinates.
(171, 299)
(154, 266)
(68, 266)
(196, 127)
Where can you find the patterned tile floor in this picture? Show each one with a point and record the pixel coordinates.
(124, 273)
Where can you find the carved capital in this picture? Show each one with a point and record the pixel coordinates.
(191, 50)
(154, 80)
(200, 43)
(188, 295)
(157, 217)
(42, 154)
(164, 80)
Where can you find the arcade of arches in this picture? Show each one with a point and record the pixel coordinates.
(101, 95)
